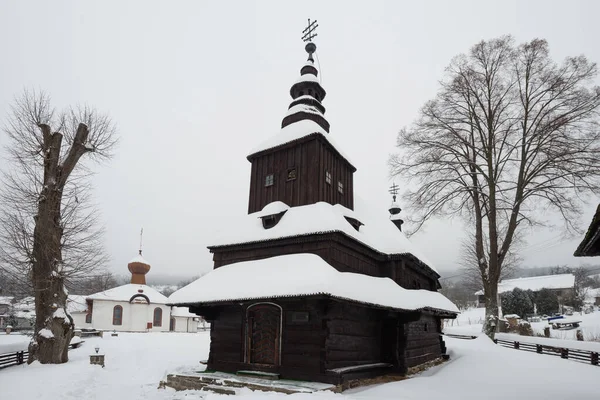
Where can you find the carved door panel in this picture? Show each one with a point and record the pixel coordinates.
(264, 321)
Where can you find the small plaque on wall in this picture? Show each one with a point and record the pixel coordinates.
(300, 317)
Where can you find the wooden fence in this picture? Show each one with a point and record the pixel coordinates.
(20, 357)
(566, 353)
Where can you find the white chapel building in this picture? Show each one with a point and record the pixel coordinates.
(134, 307)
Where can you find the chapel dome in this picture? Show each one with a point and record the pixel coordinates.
(138, 267)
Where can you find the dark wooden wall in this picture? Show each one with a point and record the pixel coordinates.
(311, 158)
(423, 340)
(337, 250)
(354, 335)
(410, 276)
(226, 339)
(341, 252)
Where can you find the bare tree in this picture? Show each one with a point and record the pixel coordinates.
(94, 283)
(49, 234)
(510, 137)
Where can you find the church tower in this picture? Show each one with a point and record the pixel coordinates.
(301, 165)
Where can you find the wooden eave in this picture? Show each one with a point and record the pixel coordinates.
(590, 245)
(315, 296)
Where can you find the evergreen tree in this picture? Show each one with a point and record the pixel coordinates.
(546, 301)
(517, 302)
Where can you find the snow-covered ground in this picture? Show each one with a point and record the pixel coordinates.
(13, 342)
(470, 322)
(136, 362)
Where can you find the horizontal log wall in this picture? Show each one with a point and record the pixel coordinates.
(226, 338)
(354, 335)
(423, 340)
(302, 342)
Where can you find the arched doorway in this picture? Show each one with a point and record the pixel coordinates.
(263, 327)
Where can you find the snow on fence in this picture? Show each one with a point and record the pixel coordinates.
(564, 352)
(19, 357)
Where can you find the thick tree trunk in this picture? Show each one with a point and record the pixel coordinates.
(491, 322)
(53, 326)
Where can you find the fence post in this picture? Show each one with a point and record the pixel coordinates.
(20, 357)
(539, 348)
(516, 345)
(564, 353)
(594, 358)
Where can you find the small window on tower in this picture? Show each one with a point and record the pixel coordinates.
(269, 180)
(291, 175)
(340, 187)
(328, 177)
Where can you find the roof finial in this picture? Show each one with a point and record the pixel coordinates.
(141, 237)
(308, 35)
(394, 190)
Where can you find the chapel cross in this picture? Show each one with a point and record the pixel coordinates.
(394, 190)
(309, 31)
(141, 237)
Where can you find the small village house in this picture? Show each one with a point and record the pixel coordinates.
(563, 285)
(134, 307)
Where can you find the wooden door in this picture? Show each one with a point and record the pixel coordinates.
(264, 322)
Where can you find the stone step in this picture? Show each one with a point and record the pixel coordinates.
(258, 374)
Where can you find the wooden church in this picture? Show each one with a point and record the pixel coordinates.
(311, 284)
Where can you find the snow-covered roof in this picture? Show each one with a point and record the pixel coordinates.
(306, 97)
(6, 299)
(272, 208)
(303, 108)
(76, 303)
(182, 312)
(535, 283)
(139, 259)
(308, 78)
(378, 232)
(304, 275)
(296, 131)
(126, 292)
(25, 304)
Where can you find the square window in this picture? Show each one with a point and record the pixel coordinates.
(328, 177)
(340, 187)
(291, 175)
(269, 180)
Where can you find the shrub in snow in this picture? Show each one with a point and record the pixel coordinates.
(546, 302)
(524, 328)
(518, 302)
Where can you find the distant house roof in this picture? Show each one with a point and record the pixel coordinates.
(535, 283)
(590, 245)
(300, 275)
(377, 231)
(76, 303)
(127, 292)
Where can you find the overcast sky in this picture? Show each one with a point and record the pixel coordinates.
(193, 86)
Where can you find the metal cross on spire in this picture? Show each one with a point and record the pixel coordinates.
(394, 190)
(141, 237)
(308, 32)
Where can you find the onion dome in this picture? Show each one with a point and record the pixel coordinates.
(307, 94)
(138, 267)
